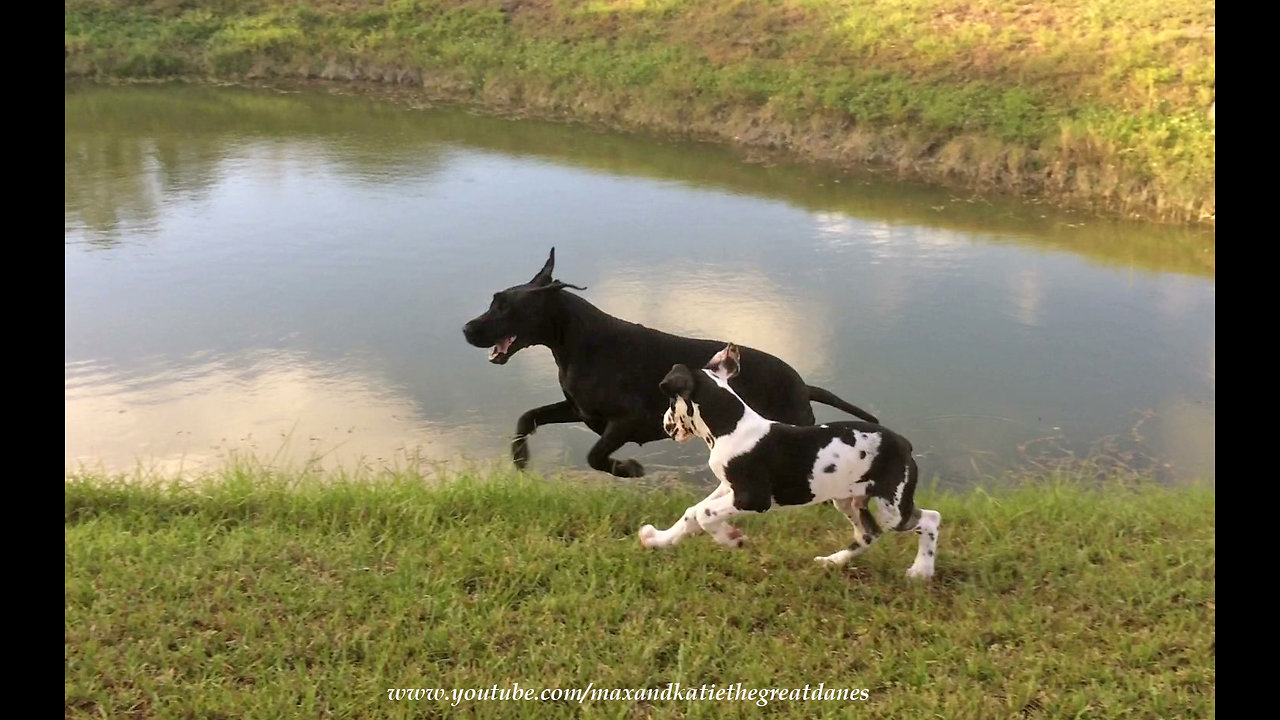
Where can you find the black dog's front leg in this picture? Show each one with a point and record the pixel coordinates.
(561, 412)
(615, 435)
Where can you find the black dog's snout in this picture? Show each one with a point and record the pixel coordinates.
(469, 331)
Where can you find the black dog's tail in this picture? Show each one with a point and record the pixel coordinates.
(826, 397)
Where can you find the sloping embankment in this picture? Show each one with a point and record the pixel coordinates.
(1088, 103)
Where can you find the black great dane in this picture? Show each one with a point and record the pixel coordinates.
(610, 370)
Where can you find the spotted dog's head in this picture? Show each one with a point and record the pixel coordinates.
(701, 403)
(517, 316)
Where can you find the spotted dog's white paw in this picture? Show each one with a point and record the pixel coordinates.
(647, 534)
(919, 571)
(835, 559)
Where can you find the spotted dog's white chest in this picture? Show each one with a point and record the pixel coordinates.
(841, 470)
(739, 442)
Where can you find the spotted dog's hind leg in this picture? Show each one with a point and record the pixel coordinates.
(865, 531)
(900, 513)
(927, 528)
(651, 537)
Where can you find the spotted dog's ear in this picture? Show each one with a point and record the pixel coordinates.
(544, 275)
(725, 363)
(678, 382)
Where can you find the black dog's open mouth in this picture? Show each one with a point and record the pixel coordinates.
(501, 352)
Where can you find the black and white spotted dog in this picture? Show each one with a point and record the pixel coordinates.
(761, 463)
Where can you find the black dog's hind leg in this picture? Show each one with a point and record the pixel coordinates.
(561, 412)
(615, 435)
(865, 531)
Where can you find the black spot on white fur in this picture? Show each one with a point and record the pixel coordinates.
(830, 468)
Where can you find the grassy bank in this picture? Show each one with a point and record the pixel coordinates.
(1092, 103)
(255, 595)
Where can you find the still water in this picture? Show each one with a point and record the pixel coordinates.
(287, 274)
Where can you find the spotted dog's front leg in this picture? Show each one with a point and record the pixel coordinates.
(690, 523)
(714, 515)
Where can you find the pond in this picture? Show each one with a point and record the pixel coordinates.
(286, 274)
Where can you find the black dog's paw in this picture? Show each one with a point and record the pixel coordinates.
(628, 468)
(520, 451)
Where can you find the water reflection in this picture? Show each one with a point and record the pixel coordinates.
(123, 160)
(1026, 295)
(282, 408)
(380, 143)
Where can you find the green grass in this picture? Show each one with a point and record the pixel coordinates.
(260, 594)
(1098, 103)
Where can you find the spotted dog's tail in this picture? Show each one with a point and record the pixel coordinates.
(826, 397)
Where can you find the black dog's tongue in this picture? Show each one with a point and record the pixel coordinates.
(499, 351)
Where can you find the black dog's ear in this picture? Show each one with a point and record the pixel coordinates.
(557, 285)
(544, 275)
(677, 382)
